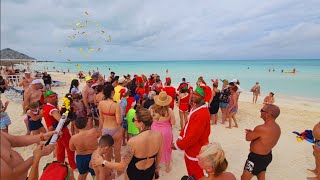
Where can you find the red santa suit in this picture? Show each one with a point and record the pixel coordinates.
(192, 137)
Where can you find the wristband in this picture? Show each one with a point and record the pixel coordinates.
(32, 157)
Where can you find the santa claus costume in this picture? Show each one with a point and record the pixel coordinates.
(196, 132)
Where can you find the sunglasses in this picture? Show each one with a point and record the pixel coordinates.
(133, 120)
(90, 82)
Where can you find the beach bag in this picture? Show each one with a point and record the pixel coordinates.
(55, 171)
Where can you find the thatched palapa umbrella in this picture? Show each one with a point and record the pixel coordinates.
(10, 57)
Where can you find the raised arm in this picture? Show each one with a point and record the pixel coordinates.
(20, 141)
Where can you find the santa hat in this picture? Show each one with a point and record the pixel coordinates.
(139, 81)
(204, 91)
(183, 86)
(131, 102)
(168, 80)
(123, 91)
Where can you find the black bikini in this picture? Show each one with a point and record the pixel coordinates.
(136, 174)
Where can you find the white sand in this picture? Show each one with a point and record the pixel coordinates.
(291, 159)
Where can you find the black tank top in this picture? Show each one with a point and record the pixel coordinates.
(136, 174)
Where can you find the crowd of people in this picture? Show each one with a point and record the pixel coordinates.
(135, 114)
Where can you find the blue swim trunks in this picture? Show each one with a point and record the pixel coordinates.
(83, 162)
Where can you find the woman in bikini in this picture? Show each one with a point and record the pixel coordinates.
(110, 121)
(143, 153)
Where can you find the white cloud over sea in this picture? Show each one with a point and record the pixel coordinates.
(165, 30)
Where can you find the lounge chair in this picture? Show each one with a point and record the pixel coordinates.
(58, 83)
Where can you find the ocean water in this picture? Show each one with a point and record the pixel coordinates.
(304, 83)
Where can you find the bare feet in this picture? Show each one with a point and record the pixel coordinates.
(236, 126)
(313, 171)
(229, 127)
(168, 169)
(312, 178)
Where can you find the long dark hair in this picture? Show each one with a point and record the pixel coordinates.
(107, 90)
(74, 83)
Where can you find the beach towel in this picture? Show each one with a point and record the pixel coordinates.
(306, 135)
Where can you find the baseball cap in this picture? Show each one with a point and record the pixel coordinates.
(121, 80)
(36, 81)
(88, 78)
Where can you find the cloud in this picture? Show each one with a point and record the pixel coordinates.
(166, 30)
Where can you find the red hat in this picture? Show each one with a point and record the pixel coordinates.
(182, 86)
(168, 80)
(139, 80)
(204, 91)
(123, 91)
(131, 102)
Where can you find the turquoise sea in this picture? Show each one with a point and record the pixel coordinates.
(304, 83)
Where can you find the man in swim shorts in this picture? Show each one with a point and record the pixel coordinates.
(84, 149)
(263, 138)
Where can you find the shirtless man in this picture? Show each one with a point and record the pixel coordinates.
(84, 149)
(316, 152)
(263, 138)
(88, 95)
(105, 142)
(12, 164)
(26, 80)
(32, 94)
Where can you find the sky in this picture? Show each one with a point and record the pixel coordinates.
(163, 30)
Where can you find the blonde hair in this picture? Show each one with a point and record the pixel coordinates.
(214, 157)
(163, 111)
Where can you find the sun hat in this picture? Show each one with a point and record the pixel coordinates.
(48, 93)
(234, 80)
(121, 80)
(162, 99)
(27, 72)
(36, 81)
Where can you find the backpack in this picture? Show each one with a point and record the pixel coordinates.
(55, 171)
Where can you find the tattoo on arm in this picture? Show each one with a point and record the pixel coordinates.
(128, 154)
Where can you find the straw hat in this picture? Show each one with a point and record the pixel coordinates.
(162, 99)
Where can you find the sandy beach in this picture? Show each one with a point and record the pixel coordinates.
(291, 158)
